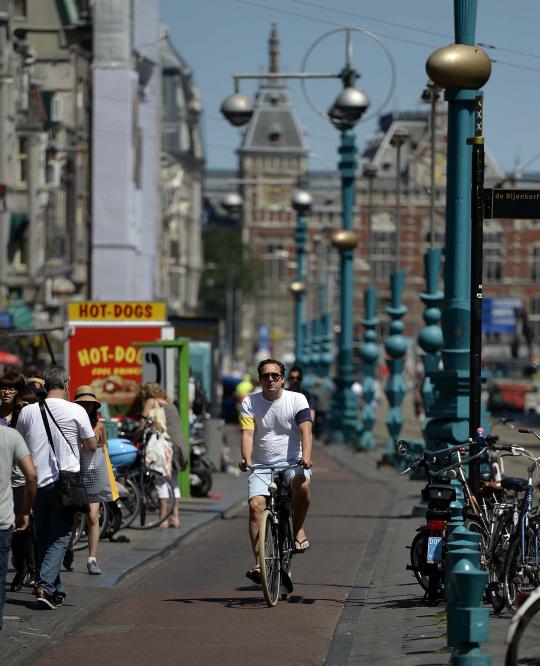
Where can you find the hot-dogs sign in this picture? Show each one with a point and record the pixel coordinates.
(101, 352)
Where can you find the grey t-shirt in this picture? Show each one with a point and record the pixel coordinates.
(12, 449)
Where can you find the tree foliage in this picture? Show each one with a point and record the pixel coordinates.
(228, 264)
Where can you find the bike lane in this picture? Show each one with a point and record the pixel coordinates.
(196, 606)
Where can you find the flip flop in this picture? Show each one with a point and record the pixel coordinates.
(300, 543)
(254, 575)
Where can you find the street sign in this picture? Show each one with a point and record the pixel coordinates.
(499, 314)
(513, 204)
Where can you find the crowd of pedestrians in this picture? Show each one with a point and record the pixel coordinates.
(41, 437)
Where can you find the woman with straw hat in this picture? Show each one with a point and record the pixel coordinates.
(85, 396)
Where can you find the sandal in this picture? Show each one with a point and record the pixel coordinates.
(254, 575)
(298, 546)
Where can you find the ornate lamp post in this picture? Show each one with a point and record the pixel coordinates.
(430, 95)
(462, 69)
(369, 351)
(301, 202)
(395, 344)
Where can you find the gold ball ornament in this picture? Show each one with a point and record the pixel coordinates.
(344, 240)
(459, 66)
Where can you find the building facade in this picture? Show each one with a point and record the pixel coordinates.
(181, 176)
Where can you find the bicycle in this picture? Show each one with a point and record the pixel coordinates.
(152, 487)
(523, 645)
(276, 543)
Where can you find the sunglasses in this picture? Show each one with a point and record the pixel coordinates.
(274, 376)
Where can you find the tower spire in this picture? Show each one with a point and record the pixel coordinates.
(273, 47)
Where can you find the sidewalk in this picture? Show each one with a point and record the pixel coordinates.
(28, 630)
(385, 619)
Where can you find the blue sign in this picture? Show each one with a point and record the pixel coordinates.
(6, 320)
(499, 314)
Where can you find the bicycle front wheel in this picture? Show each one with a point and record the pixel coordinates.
(521, 569)
(269, 558)
(524, 647)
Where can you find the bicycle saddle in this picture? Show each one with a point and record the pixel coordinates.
(514, 483)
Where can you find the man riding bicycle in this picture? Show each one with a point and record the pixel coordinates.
(276, 427)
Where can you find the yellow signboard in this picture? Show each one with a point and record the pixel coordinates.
(140, 311)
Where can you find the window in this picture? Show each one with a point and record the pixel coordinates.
(534, 319)
(274, 264)
(534, 258)
(383, 246)
(22, 175)
(19, 8)
(492, 256)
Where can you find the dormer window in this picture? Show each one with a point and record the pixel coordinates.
(275, 134)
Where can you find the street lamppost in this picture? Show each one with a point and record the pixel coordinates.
(399, 138)
(430, 95)
(395, 344)
(461, 69)
(301, 202)
(232, 203)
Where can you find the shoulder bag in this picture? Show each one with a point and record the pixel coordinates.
(72, 489)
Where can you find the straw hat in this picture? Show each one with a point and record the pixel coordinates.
(37, 380)
(85, 394)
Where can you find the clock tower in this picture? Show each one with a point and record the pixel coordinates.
(272, 159)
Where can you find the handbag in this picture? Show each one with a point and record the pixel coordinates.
(70, 484)
(97, 475)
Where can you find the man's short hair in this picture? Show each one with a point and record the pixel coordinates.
(56, 378)
(12, 379)
(298, 370)
(268, 361)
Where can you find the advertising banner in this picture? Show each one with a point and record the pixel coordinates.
(103, 357)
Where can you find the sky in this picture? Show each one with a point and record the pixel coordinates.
(221, 37)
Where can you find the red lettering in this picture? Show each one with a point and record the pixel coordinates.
(94, 311)
(148, 311)
(138, 311)
(83, 310)
(117, 311)
(128, 311)
(103, 310)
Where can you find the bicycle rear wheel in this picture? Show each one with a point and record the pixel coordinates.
(129, 501)
(269, 558)
(521, 575)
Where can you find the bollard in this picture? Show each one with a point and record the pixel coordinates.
(467, 620)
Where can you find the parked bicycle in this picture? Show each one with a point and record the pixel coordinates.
(522, 634)
(276, 542)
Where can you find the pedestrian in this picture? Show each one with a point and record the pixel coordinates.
(23, 542)
(10, 384)
(160, 449)
(276, 427)
(85, 397)
(69, 428)
(37, 384)
(13, 451)
(294, 383)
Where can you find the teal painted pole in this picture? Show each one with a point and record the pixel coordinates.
(327, 351)
(343, 422)
(396, 349)
(369, 352)
(301, 202)
(461, 69)
(430, 338)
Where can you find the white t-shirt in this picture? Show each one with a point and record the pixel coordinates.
(75, 424)
(275, 422)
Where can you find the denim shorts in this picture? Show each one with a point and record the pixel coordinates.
(258, 481)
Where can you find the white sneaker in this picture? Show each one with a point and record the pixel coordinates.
(93, 568)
